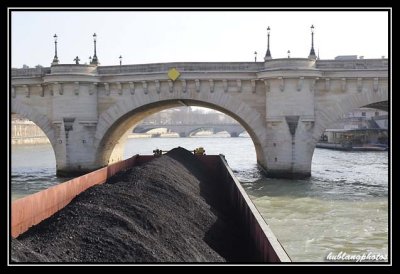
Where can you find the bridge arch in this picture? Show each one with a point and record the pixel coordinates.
(328, 113)
(43, 123)
(234, 133)
(147, 129)
(190, 130)
(114, 123)
(195, 130)
(33, 115)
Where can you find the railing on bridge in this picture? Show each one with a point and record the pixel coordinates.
(29, 72)
(352, 64)
(210, 66)
(148, 68)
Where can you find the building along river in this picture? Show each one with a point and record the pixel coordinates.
(342, 207)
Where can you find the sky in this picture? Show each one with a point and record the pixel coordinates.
(158, 37)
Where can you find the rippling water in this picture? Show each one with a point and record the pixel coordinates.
(33, 168)
(342, 207)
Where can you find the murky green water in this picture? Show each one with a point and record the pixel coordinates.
(342, 207)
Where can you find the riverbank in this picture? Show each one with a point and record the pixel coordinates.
(40, 140)
(25, 132)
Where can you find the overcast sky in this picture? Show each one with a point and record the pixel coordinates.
(153, 37)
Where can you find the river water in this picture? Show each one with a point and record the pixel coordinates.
(342, 207)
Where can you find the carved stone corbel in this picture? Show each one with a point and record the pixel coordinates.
(313, 83)
(27, 91)
(253, 85)
(211, 81)
(183, 86)
(376, 84)
(157, 86)
(132, 87)
(266, 84)
(119, 88)
(359, 84)
(170, 86)
(300, 83)
(343, 84)
(93, 88)
(41, 90)
(76, 88)
(107, 88)
(239, 85)
(197, 83)
(59, 88)
(225, 85)
(144, 84)
(281, 83)
(327, 84)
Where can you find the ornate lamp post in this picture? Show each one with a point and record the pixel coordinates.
(288, 54)
(55, 59)
(312, 52)
(268, 53)
(120, 60)
(95, 61)
(255, 56)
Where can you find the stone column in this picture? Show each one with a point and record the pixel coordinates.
(75, 117)
(288, 146)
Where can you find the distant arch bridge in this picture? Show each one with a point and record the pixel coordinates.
(185, 130)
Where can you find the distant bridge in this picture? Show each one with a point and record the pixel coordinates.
(185, 130)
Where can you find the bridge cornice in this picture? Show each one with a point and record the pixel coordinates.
(260, 76)
(289, 73)
(190, 76)
(70, 78)
(27, 81)
(73, 69)
(182, 67)
(289, 63)
(372, 73)
(206, 67)
(352, 64)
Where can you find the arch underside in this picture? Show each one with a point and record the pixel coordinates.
(328, 113)
(117, 132)
(33, 115)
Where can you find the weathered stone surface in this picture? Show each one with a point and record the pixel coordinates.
(258, 95)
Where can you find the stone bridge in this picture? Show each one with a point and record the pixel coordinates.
(285, 104)
(185, 130)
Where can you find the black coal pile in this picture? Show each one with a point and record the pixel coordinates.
(168, 210)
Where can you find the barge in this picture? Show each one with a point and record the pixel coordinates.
(351, 147)
(368, 139)
(265, 247)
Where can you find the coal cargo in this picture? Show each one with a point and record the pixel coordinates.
(167, 210)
